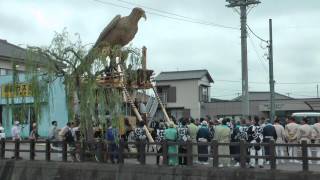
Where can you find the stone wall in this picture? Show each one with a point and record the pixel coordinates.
(40, 170)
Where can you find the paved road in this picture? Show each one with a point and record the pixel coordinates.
(149, 159)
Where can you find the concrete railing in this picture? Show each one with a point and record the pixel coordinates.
(98, 151)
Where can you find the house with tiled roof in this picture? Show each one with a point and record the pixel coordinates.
(184, 92)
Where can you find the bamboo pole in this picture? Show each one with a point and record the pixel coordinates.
(135, 109)
(161, 105)
(144, 58)
(136, 112)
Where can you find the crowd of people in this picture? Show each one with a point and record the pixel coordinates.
(224, 130)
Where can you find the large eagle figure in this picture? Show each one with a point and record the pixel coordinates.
(121, 30)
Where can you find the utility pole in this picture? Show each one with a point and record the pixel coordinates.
(244, 57)
(271, 79)
(317, 90)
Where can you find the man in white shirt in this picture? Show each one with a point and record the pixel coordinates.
(16, 131)
(306, 134)
(292, 134)
(316, 128)
(280, 138)
(2, 133)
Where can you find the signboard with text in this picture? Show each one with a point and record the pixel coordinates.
(266, 107)
(17, 90)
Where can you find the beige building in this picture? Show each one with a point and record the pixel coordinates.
(260, 106)
(184, 93)
(187, 93)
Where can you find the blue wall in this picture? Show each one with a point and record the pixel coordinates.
(54, 109)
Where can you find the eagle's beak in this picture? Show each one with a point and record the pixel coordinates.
(144, 16)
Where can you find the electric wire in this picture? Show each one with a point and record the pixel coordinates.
(177, 17)
(277, 83)
(257, 53)
(257, 35)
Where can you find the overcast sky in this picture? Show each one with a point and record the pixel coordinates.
(179, 45)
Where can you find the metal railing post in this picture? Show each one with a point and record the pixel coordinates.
(305, 165)
(32, 149)
(121, 151)
(215, 149)
(3, 148)
(165, 153)
(189, 154)
(17, 149)
(142, 152)
(48, 150)
(272, 149)
(99, 150)
(82, 150)
(243, 154)
(64, 151)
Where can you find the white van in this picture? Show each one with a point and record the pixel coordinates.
(311, 116)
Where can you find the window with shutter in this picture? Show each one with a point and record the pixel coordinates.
(172, 94)
(203, 94)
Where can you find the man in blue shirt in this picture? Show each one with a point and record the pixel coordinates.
(112, 137)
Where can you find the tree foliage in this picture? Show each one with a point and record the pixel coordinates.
(79, 67)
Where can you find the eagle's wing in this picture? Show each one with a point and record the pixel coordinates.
(107, 29)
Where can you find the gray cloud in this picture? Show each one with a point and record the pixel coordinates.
(182, 45)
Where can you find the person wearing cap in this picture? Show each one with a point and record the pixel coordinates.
(171, 135)
(223, 135)
(16, 131)
(292, 135)
(16, 134)
(203, 136)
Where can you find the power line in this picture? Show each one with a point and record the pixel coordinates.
(286, 101)
(177, 17)
(278, 83)
(298, 93)
(250, 8)
(259, 58)
(157, 10)
(297, 83)
(112, 4)
(257, 35)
